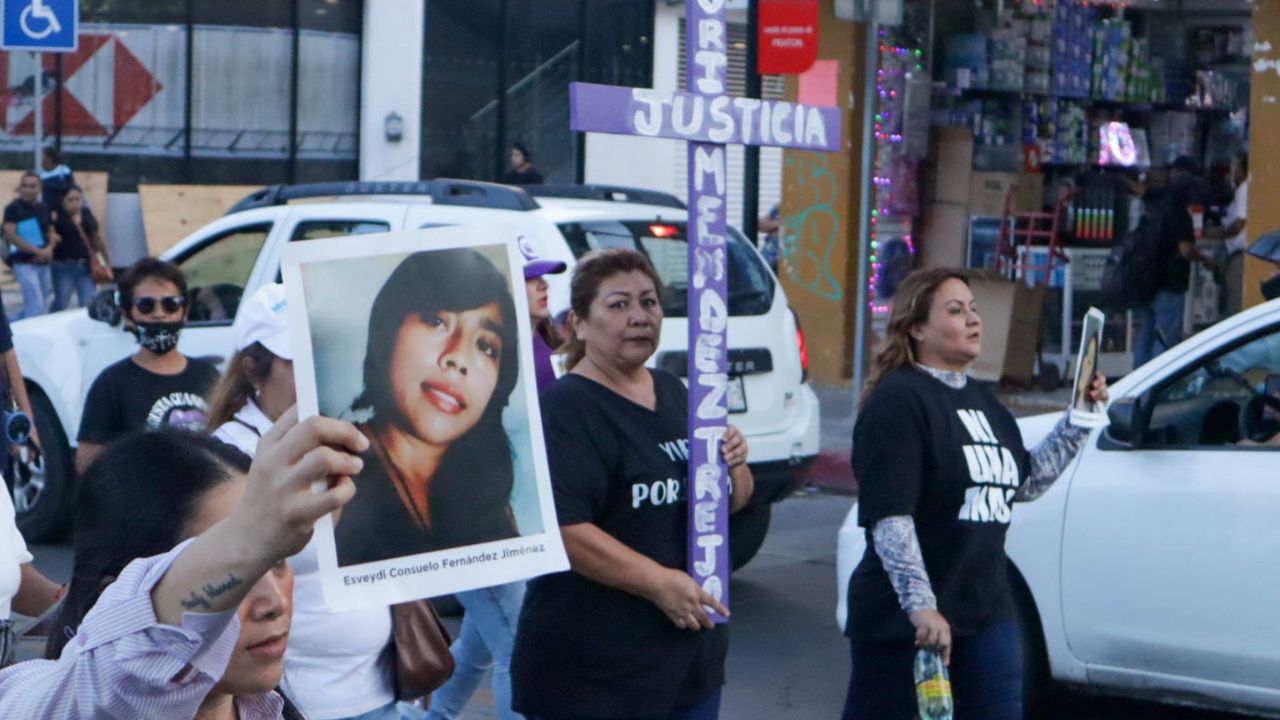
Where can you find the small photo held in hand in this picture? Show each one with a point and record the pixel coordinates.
(417, 338)
(1085, 412)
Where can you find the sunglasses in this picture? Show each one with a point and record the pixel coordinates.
(169, 303)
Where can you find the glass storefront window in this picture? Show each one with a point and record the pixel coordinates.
(123, 103)
(497, 72)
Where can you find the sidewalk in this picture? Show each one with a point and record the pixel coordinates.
(831, 471)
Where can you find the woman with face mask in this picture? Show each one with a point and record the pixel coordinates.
(157, 386)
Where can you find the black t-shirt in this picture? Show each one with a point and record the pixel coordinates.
(74, 244)
(529, 176)
(1177, 227)
(376, 524)
(584, 649)
(952, 460)
(18, 211)
(126, 397)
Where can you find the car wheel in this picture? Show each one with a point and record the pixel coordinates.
(42, 485)
(747, 529)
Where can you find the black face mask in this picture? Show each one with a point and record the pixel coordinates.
(1271, 288)
(158, 337)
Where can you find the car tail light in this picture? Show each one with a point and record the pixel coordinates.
(664, 231)
(804, 349)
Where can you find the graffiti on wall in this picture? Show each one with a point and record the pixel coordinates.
(810, 237)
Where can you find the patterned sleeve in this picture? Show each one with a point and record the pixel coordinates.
(899, 550)
(1051, 457)
(123, 662)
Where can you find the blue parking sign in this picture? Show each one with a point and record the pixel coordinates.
(40, 25)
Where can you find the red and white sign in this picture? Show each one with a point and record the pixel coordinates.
(788, 39)
(106, 86)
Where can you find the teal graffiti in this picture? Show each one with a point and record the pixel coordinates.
(809, 238)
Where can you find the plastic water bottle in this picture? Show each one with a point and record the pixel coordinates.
(933, 686)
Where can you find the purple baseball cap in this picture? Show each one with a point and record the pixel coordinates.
(534, 267)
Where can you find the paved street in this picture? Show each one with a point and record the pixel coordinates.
(787, 659)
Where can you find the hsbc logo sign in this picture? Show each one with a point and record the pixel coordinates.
(106, 85)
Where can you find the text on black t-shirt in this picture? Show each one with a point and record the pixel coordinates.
(952, 460)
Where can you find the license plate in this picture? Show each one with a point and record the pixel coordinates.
(737, 395)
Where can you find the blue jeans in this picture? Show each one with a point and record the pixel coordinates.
(36, 285)
(986, 677)
(706, 709)
(1159, 325)
(485, 641)
(72, 276)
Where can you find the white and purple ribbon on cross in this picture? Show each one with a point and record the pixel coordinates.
(708, 119)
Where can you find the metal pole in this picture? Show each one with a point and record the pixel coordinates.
(865, 197)
(751, 153)
(295, 55)
(57, 104)
(500, 137)
(188, 94)
(38, 93)
(580, 74)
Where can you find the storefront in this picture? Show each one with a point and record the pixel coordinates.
(987, 115)
(228, 92)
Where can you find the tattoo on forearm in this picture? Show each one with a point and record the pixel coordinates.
(203, 598)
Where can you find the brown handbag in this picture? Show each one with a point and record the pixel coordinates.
(423, 661)
(99, 269)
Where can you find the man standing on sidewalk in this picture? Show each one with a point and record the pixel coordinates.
(1160, 323)
(28, 233)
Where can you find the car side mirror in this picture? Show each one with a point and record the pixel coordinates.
(103, 308)
(1126, 425)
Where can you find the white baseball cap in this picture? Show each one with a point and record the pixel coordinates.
(262, 319)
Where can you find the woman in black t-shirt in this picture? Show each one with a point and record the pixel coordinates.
(624, 634)
(939, 463)
(441, 361)
(79, 233)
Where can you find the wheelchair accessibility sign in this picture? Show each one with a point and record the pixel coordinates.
(40, 25)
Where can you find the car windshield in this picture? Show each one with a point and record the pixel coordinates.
(751, 287)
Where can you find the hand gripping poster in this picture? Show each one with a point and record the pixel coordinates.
(422, 340)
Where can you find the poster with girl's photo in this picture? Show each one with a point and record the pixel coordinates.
(1085, 412)
(416, 338)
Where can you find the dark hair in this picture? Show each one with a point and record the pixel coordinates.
(911, 305)
(153, 269)
(52, 154)
(137, 500)
(424, 284)
(247, 368)
(588, 274)
(547, 331)
(30, 173)
(524, 150)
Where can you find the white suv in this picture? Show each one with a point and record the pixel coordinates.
(231, 257)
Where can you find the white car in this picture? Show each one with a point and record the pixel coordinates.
(231, 257)
(1150, 568)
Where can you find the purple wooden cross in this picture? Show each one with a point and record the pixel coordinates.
(708, 119)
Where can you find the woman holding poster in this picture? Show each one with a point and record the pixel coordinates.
(940, 463)
(624, 634)
(440, 363)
